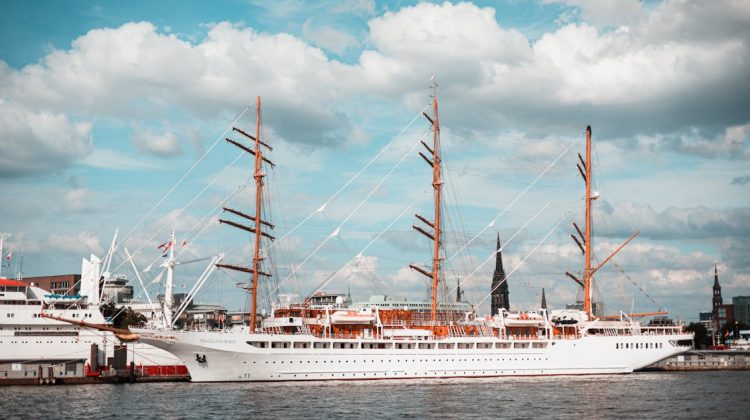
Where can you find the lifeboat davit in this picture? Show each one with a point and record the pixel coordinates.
(362, 316)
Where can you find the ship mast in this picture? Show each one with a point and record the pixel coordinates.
(437, 184)
(587, 273)
(258, 175)
(585, 238)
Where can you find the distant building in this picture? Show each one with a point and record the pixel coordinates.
(706, 319)
(117, 290)
(741, 309)
(596, 307)
(64, 284)
(720, 314)
(500, 292)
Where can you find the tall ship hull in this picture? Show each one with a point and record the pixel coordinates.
(239, 356)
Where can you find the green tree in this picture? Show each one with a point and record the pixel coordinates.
(122, 318)
(702, 340)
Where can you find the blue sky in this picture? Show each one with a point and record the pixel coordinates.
(106, 105)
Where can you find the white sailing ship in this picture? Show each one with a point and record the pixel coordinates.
(303, 341)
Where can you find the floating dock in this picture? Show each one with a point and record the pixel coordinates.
(704, 360)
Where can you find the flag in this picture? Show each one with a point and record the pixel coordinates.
(9, 256)
(165, 247)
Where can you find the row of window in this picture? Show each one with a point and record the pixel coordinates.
(398, 346)
(408, 374)
(510, 359)
(638, 346)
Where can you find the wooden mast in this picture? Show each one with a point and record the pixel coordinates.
(258, 175)
(587, 273)
(437, 184)
(435, 162)
(585, 243)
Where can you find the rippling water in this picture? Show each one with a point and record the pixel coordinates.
(642, 395)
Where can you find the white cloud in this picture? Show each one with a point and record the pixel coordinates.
(626, 217)
(329, 37)
(355, 7)
(34, 141)
(117, 160)
(136, 72)
(81, 244)
(81, 200)
(644, 79)
(159, 144)
(608, 12)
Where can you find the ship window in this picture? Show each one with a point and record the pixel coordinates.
(445, 345)
(484, 345)
(520, 345)
(321, 345)
(426, 345)
(279, 345)
(301, 345)
(465, 345)
(538, 345)
(502, 345)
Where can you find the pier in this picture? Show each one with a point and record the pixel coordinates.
(704, 360)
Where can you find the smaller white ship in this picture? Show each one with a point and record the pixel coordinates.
(28, 335)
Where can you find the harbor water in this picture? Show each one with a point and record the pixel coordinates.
(648, 395)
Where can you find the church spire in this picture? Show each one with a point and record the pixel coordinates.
(717, 299)
(499, 257)
(500, 292)
(544, 300)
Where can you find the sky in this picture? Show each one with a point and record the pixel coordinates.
(113, 117)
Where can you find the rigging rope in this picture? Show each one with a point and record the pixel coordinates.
(351, 214)
(340, 190)
(361, 252)
(518, 197)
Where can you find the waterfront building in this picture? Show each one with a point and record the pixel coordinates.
(706, 319)
(62, 284)
(117, 290)
(500, 292)
(741, 309)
